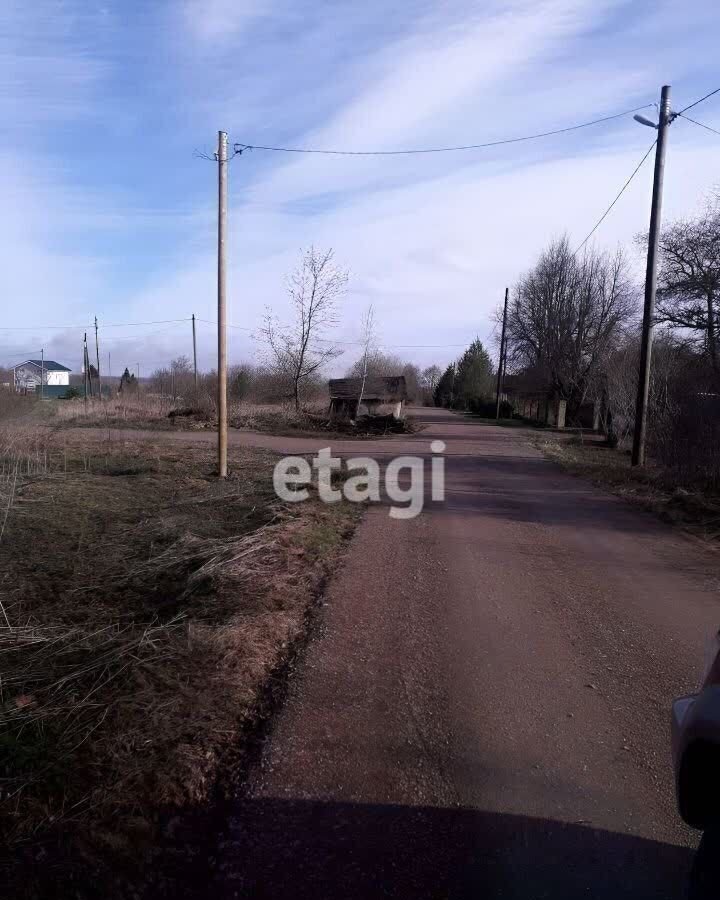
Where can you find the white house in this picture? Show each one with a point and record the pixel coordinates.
(32, 372)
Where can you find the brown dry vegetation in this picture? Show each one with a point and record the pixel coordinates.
(150, 411)
(131, 411)
(145, 606)
(655, 488)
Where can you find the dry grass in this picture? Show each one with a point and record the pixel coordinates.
(144, 607)
(131, 411)
(654, 488)
(149, 411)
(152, 411)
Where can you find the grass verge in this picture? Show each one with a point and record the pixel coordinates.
(652, 487)
(145, 607)
(155, 413)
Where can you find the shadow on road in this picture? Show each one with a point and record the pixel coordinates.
(307, 849)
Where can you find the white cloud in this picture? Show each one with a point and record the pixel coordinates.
(435, 257)
(432, 241)
(221, 21)
(47, 73)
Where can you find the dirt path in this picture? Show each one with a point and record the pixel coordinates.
(484, 711)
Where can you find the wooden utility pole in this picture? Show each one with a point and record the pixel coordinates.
(501, 364)
(194, 354)
(222, 306)
(666, 117)
(85, 368)
(97, 360)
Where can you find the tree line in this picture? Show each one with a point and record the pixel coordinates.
(573, 333)
(573, 330)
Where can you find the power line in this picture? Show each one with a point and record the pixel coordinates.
(210, 322)
(617, 197)
(198, 154)
(355, 343)
(26, 353)
(701, 100)
(147, 335)
(515, 140)
(701, 124)
(88, 326)
(396, 346)
(129, 324)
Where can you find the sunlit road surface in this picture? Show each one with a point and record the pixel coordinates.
(484, 708)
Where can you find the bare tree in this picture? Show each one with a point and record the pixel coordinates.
(369, 341)
(160, 380)
(298, 350)
(564, 315)
(378, 363)
(689, 279)
(411, 374)
(181, 365)
(181, 379)
(429, 378)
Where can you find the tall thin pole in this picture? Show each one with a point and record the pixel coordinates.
(89, 373)
(222, 307)
(501, 364)
(42, 373)
(97, 360)
(85, 368)
(638, 452)
(194, 353)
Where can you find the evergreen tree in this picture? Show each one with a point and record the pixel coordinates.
(474, 378)
(128, 382)
(443, 394)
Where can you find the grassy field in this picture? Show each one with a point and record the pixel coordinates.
(145, 607)
(652, 487)
(150, 411)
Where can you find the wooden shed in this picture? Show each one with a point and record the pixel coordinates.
(381, 396)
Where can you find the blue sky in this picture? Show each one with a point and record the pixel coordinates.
(109, 213)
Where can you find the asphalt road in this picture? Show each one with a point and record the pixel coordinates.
(484, 708)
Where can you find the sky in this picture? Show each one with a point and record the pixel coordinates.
(110, 211)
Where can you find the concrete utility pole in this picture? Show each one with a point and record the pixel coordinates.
(666, 117)
(501, 364)
(194, 355)
(222, 305)
(97, 360)
(42, 373)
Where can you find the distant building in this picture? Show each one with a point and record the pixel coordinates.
(381, 396)
(30, 374)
